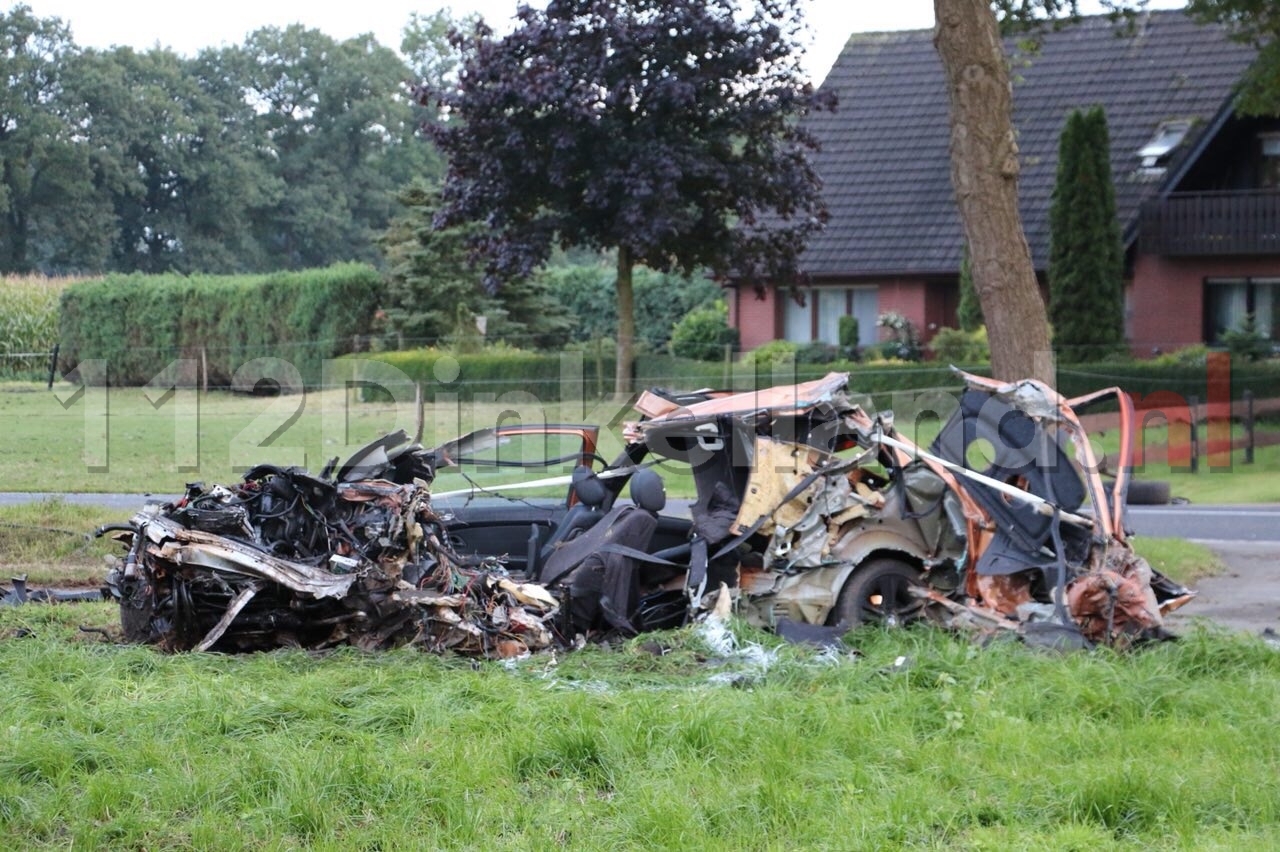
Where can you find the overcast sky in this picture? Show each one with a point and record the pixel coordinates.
(188, 26)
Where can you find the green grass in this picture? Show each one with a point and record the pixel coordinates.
(51, 542)
(993, 748)
(1178, 559)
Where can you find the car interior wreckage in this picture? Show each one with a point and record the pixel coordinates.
(809, 511)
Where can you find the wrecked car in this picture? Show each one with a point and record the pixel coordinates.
(809, 509)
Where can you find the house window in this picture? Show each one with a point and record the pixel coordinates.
(1229, 302)
(1269, 173)
(797, 321)
(819, 317)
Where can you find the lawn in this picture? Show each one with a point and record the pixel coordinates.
(117, 440)
(956, 746)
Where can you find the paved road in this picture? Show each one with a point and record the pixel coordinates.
(1259, 523)
(1244, 597)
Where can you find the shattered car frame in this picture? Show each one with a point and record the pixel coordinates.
(808, 509)
(1004, 524)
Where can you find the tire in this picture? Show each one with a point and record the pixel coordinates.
(877, 593)
(1148, 492)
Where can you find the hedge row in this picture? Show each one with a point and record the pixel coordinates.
(500, 372)
(138, 324)
(494, 373)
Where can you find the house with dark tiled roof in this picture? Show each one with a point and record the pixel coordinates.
(1197, 186)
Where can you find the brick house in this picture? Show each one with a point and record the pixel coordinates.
(1197, 186)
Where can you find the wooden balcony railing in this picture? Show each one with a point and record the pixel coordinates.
(1211, 223)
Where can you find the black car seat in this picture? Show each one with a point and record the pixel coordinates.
(1025, 452)
(584, 514)
(597, 568)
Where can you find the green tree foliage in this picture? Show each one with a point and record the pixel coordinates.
(49, 206)
(969, 311)
(436, 291)
(341, 133)
(664, 129)
(283, 152)
(584, 285)
(1255, 22)
(1086, 257)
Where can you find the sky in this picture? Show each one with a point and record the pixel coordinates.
(188, 27)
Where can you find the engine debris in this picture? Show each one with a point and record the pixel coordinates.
(289, 559)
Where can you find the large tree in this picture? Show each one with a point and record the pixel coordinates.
(436, 291)
(49, 209)
(1255, 22)
(985, 169)
(664, 129)
(984, 174)
(1086, 255)
(339, 122)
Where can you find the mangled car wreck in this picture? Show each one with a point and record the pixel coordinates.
(809, 509)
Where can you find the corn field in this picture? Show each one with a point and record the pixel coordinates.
(28, 324)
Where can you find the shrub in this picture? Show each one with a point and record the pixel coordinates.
(817, 352)
(704, 333)
(849, 335)
(969, 311)
(956, 346)
(904, 338)
(1189, 356)
(1246, 343)
(140, 323)
(764, 357)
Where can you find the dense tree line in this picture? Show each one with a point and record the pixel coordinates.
(283, 152)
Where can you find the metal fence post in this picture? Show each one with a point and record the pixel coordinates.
(53, 364)
(1248, 427)
(1194, 406)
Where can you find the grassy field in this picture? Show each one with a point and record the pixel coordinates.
(957, 747)
(118, 440)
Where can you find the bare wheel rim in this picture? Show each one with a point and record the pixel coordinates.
(889, 601)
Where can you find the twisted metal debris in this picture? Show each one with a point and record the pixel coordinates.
(354, 556)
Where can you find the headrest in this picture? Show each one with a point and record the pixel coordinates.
(590, 490)
(647, 491)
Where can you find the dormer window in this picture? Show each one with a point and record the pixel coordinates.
(1168, 135)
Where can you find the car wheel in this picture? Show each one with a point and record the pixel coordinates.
(878, 592)
(1148, 492)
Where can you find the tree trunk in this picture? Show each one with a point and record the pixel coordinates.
(984, 173)
(626, 326)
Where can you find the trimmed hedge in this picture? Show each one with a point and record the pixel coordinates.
(488, 374)
(138, 324)
(499, 372)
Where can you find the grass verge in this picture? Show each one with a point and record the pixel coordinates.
(51, 541)
(962, 747)
(1178, 559)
